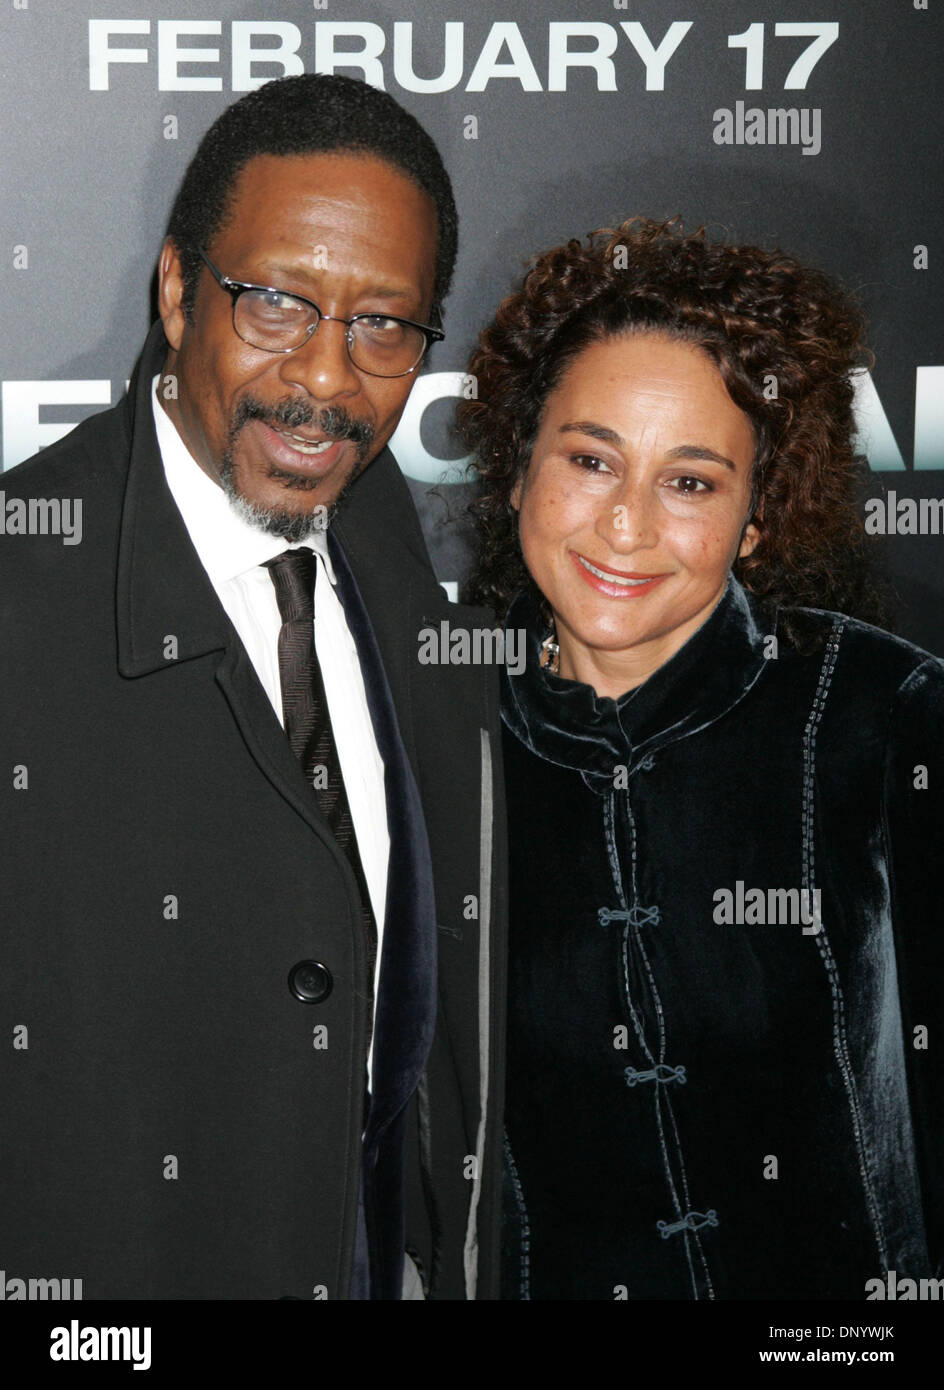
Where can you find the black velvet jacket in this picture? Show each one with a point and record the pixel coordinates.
(715, 1089)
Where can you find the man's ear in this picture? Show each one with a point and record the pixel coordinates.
(170, 294)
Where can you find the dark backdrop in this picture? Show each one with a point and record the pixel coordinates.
(102, 114)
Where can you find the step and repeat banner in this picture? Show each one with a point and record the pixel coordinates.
(813, 125)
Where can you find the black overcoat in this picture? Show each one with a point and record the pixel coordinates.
(174, 1123)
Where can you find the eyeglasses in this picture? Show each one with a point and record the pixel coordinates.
(276, 321)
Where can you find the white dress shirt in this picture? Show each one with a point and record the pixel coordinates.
(233, 552)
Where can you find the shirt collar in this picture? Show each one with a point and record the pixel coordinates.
(226, 544)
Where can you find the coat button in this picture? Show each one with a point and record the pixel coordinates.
(310, 982)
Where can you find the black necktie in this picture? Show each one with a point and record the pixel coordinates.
(308, 723)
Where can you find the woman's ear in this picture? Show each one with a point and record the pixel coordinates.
(751, 533)
(752, 528)
(749, 539)
(516, 491)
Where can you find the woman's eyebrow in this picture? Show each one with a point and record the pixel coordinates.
(700, 451)
(601, 432)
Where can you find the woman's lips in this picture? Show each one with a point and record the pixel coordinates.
(290, 450)
(615, 583)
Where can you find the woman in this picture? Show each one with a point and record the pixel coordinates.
(724, 798)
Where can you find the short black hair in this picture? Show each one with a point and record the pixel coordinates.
(316, 113)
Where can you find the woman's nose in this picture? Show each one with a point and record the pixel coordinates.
(630, 522)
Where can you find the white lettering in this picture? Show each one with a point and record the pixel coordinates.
(23, 434)
(560, 57)
(169, 56)
(488, 66)
(101, 56)
(365, 59)
(403, 72)
(655, 59)
(245, 55)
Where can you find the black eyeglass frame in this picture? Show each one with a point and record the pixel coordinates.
(235, 288)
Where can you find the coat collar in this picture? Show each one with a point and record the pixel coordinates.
(567, 723)
(162, 589)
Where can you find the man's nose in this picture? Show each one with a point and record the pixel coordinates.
(628, 522)
(322, 366)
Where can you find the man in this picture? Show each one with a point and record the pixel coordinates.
(244, 869)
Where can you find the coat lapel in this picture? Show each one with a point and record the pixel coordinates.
(406, 1004)
(167, 609)
(380, 534)
(163, 592)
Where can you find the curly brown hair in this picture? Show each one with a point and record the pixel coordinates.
(785, 339)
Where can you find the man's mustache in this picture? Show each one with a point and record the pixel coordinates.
(333, 420)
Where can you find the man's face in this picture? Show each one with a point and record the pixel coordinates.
(355, 236)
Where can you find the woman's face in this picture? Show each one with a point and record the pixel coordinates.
(634, 505)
